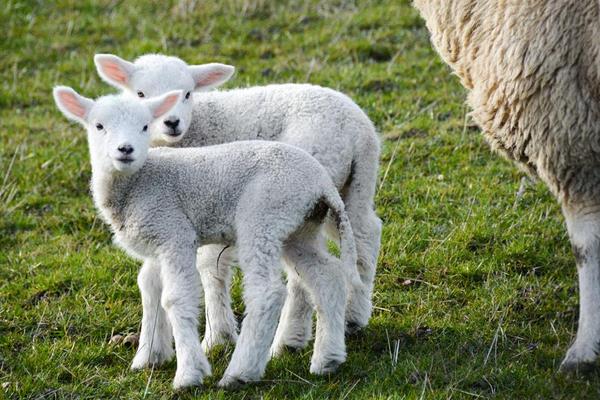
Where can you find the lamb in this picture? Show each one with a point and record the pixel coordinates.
(533, 74)
(269, 199)
(325, 123)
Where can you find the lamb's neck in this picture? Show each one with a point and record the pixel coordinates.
(109, 191)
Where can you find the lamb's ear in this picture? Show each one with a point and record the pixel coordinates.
(208, 76)
(160, 105)
(74, 106)
(114, 70)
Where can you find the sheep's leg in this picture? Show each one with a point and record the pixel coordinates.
(264, 294)
(156, 345)
(324, 277)
(215, 273)
(181, 301)
(295, 324)
(583, 225)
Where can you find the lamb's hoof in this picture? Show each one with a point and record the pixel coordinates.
(324, 367)
(579, 360)
(230, 382)
(144, 359)
(208, 345)
(277, 351)
(353, 327)
(358, 312)
(188, 378)
(292, 348)
(210, 341)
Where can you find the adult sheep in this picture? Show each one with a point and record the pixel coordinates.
(532, 69)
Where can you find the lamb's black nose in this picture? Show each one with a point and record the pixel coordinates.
(126, 149)
(173, 123)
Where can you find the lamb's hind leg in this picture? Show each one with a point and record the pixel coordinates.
(324, 278)
(214, 264)
(358, 196)
(264, 294)
(156, 338)
(583, 224)
(367, 234)
(295, 324)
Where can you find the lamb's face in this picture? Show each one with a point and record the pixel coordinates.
(118, 133)
(117, 126)
(155, 75)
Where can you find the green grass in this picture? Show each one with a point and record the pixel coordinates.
(477, 287)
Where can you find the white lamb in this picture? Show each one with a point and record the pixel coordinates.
(325, 123)
(269, 199)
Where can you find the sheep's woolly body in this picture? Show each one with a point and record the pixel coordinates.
(532, 70)
(533, 73)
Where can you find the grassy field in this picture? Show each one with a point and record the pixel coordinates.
(476, 286)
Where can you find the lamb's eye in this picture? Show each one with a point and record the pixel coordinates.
(145, 128)
(141, 94)
(187, 95)
(99, 127)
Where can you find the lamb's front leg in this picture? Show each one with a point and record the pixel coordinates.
(181, 301)
(214, 264)
(583, 225)
(264, 294)
(156, 339)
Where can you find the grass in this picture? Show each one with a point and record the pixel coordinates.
(476, 292)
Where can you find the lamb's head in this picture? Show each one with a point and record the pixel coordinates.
(117, 125)
(154, 75)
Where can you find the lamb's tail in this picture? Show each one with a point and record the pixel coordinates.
(347, 245)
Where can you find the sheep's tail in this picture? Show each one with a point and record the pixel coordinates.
(347, 244)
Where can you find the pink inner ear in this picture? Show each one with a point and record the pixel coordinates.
(210, 78)
(114, 71)
(166, 105)
(71, 103)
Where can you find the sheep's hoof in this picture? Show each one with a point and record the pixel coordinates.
(578, 362)
(576, 368)
(324, 367)
(230, 382)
